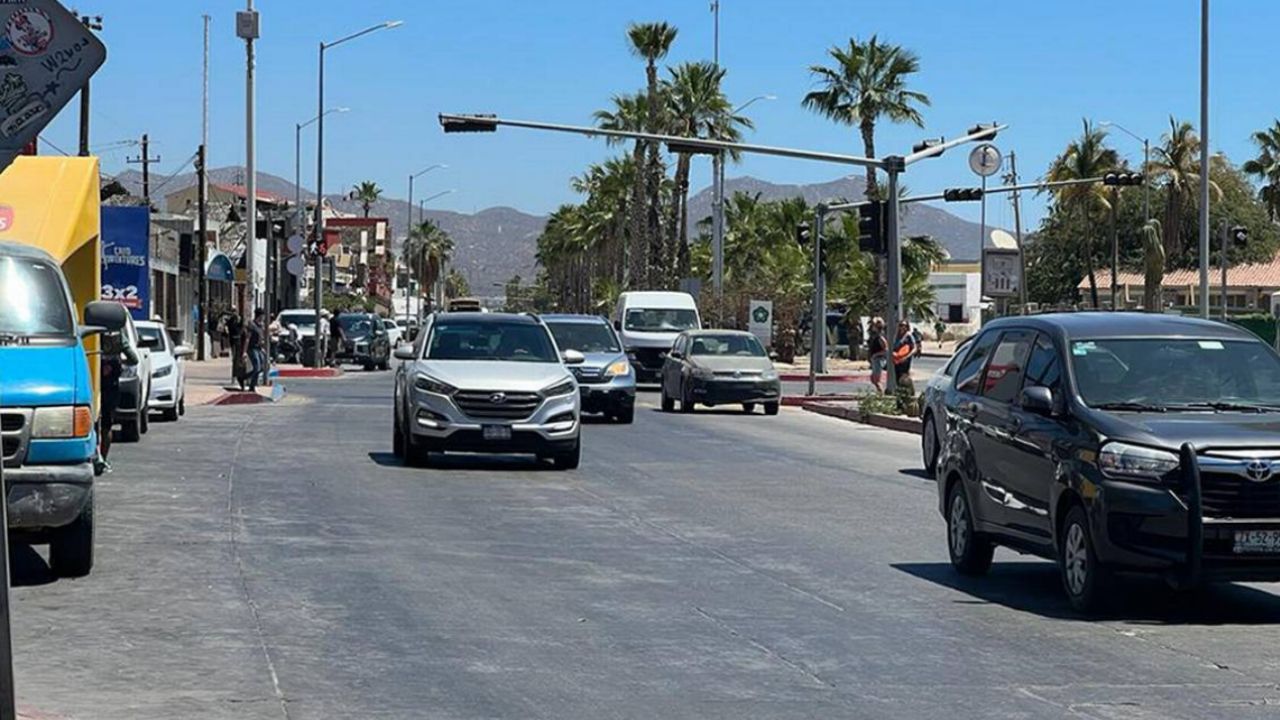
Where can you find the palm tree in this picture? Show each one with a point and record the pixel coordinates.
(1266, 166)
(628, 114)
(1086, 157)
(697, 107)
(427, 250)
(366, 193)
(1177, 163)
(652, 42)
(867, 82)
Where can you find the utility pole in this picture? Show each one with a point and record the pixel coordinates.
(1225, 240)
(94, 23)
(1012, 179)
(1204, 158)
(717, 183)
(1115, 251)
(145, 161)
(202, 234)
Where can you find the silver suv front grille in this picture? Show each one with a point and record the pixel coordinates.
(497, 404)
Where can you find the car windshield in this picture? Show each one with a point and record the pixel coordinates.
(302, 320)
(496, 341)
(730, 345)
(32, 298)
(151, 337)
(585, 337)
(1175, 372)
(660, 320)
(355, 325)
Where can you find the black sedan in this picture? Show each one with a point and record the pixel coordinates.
(719, 367)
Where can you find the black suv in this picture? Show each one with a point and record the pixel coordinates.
(1114, 441)
(365, 341)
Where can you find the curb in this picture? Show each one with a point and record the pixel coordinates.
(841, 377)
(239, 398)
(888, 422)
(307, 372)
(804, 400)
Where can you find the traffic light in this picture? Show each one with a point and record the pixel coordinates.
(485, 122)
(871, 228)
(926, 144)
(962, 194)
(983, 131)
(803, 236)
(1240, 236)
(1122, 179)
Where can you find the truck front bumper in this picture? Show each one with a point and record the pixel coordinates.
(47, 496)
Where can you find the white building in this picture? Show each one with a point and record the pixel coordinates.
(958, 298)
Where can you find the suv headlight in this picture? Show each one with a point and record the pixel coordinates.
(64, 421)
(769, 375)
(703, 373)
(620, 368)
(431, 385)
(563, 388)
(162, 372)
(1121, 460)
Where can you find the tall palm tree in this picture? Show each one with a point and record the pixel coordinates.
(367, 193)
(697, 107)
(1177, 163)
(652, 42)
(868, 81)
(427, 250)
(1086, 157)
(628, 114)
(1266, 166)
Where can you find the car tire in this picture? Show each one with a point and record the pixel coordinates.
(71, 548)
(626, 416)
(771, 408)
(144, 421)
(397, 435)
(170, 414)
(930, 444)
(970, 551)
(370, 367)
(182, 405)
(686, 399)
(417, 453)
(1084, 578)
(569, 460)
(129, 431)
(668, 404)
(748, 408)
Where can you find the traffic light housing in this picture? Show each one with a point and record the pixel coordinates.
(983, 131)
(803, 234)
(1240, 236)
(962, 194)
(1122, 179)
(484, 122)
(871, 228)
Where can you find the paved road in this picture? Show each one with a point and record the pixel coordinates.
(276, 562)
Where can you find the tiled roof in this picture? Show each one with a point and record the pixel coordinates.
(1260, 275)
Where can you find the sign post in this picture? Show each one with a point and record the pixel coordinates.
(760, 321)
(1001, 272)
(985, 160)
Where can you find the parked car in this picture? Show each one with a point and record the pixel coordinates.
(168, 370)
(648, 323)
(305, 322)
(487, 383)
(394, 333)
(933, 407)
(606, 380)
(365, 341)
(719, 367)
(135, 388)
(1115, 442)
(467, 304)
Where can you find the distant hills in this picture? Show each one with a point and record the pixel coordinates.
(496, 243)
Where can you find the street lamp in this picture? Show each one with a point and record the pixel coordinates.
(717, 209)
(320, 161)
(297, 157)
(408, 228)
(1146, 161)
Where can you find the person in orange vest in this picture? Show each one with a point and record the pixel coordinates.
(904, 349)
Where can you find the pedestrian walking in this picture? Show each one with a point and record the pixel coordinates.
(904, 349)
(235, 345)
(336, 338)
(255, 349)
(878, 353)
(117, 352)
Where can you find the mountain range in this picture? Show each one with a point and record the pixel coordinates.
(496, 243)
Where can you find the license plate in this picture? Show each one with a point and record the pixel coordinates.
(1257, 541)
(497, 432)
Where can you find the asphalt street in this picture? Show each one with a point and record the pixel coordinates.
(278, 562)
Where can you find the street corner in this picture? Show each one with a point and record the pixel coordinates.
(308, 373)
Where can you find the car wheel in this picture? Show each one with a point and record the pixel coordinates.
(1083, 577)
(668, 404)
(170, 414)
(686, 399)
(771, 408)
(748, 407)
(129, 431)
(929, 444)
(71, 549)
(569, 460)
(144, 421)
(369, 367)
(970, 551)
(417, 451)
(626, 416)
(182, 405)
(397, 435)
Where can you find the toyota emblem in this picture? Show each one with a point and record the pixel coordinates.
(1258, 470)
(498, 398)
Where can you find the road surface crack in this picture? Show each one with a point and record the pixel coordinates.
(765, 649)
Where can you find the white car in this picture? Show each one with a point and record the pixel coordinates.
(135, 387)
(394, 333)
(168, 370)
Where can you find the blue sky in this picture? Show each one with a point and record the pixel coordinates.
(1039, 65)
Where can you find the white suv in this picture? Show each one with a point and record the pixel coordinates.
(487, 383)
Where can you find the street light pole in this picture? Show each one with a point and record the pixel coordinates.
(717, 209)
(1204, 159)
(297, 166)
(408, 232)
(1146, 161)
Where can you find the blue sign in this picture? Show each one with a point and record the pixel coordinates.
(126, 263)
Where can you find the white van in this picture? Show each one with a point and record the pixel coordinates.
(648, 323)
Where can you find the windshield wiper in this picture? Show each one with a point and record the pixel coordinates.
(1132, 407)
(1230, 406)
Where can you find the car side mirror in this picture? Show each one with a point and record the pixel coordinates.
(183, 351)
(405, 352)
(573, 357)
(86, 331)
(111, 316)
(617, 325)
(676, 354)
(1038, 399)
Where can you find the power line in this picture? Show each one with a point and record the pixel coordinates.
(176, 173)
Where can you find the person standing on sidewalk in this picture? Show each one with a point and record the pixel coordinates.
(235, 343)
(904, 349)
(116, 353)
(254, 347)
(336, 339)
(877, 352)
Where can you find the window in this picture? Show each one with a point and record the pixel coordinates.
(1003, 378)
(660, 320)
(1044, 368)
(585, 337)
(32, 298)
(955, 313)
(151, 338)
(1175, 371)
(497, 341)
(954, 362)
(967, 379)
(727, 345)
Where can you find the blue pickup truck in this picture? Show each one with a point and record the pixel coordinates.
(47, 407)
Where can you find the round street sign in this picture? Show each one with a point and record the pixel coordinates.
(985, 160)
(294, 243)
(295, 265)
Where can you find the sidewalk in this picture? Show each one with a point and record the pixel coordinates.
(209, 382)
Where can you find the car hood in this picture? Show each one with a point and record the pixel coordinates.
(41, 375)
(714, 362)
(486, 375)
(602, 359)
(1203, 429)
(664, 340)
